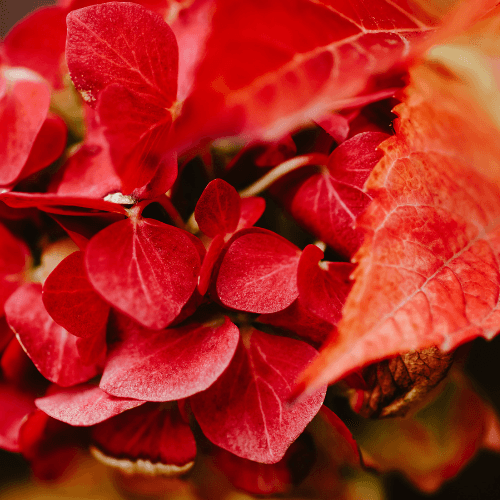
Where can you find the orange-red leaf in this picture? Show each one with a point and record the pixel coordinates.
(428, 270)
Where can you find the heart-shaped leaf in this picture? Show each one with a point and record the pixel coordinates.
(51, 348)
(84, 405)
(144, 268)
(245, 411)
(170, 364)
(258, 272)
(71, 301)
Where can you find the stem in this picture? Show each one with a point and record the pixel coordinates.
(282, 169)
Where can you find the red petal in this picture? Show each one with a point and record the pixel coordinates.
(48, 146)
(136, 143)
(251, 210)
(258, 273)
(245, 411)
(207, 267)
(137, 50)
(37, 42)
(151, 439)
(170, 364)
(92, 350)
(22, 112)
(266, 68)
(218, 209)
(323, 288)
(16, 406)
(51, 348)
(14, 256)
(71, 301)
(84, 405)
(149, 272)
(49, 445)
(328, 203)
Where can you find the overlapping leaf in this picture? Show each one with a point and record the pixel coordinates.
(72, 302)
(266, 69)
(328, 202)
(152, 439)
(245, 411)
(130, 64)
(149, 271)
(170, 364)
(24, 105)
(218, 209)
(258, 272)
(51, 348)
(13, 260)
(428, 271)
(84, 405)
(323, 287)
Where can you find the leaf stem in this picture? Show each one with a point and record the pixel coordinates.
(282, 169)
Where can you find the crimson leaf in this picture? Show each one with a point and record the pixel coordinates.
(144, 268)
(245, 411)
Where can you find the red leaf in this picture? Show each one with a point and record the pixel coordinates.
(92, 350)
(328, 203)
(152, 439)
(252, 209)
(67, 205)
(258, 272)
(214, 250)
(84, 405)
(323, 287)
(299, 320)
(266, 70)
(245, 411)
(218, 209)
(23, 110)
(48, 146)
(37, 42)
(16, 406)
(137, 142)
(71, 301)
(131, 64)
(51, 348)
(14, 256)
(49, 445)
(170, 364)
(428, 271)
(149, 271)
(125, 44)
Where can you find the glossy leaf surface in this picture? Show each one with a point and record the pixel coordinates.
(170, 364)
(245, 411)
(144, 268)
